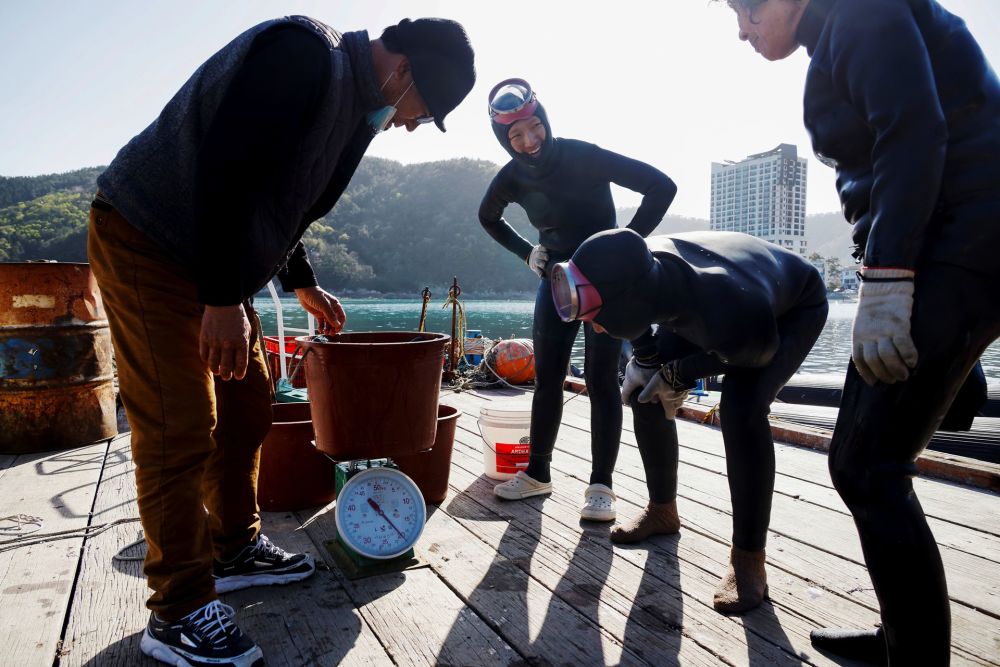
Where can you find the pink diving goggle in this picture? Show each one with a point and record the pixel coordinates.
(512, 100)
(574, 296)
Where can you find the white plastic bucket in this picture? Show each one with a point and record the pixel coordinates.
(506, 431)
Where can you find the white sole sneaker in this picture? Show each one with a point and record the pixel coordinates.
(521, 487)
(157, 650)
(599, 503)
(238, 582)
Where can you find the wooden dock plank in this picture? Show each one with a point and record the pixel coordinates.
(311, 622)
(651, 605)
(108, 609)
(36, 582)
(586, 580)
(830, 554)
(417, 617)
(974, 578)
(661, 568)
(534, 621)
(508, 583)
(942, 501)
(975, 634)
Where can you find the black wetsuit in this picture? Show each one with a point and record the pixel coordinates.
(723, 303)
(900, 99)
(567, 196)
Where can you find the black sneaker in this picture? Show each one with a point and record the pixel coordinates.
(261, 564)
(203, 638)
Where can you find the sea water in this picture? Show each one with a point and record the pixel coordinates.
(512, 319)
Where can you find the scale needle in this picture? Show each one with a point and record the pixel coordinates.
(375, 506)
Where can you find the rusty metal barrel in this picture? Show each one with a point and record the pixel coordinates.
(56, 378)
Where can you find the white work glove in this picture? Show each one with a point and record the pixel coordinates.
(881, 343)
(637, 376)
(666, 389)
(537, 259)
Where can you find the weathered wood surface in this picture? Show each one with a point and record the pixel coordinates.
(311, 623)
(36, 582)
(505, 583)
(416, 615)
(830, 569)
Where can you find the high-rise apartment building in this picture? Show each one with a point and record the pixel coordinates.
(763, 195)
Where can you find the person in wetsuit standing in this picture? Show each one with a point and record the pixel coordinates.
(901, 101)
(564, 185)
(724, 303)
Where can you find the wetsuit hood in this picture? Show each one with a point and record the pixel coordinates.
(629, 279)
(548, 146)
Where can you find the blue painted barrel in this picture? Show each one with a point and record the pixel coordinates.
(56, 374)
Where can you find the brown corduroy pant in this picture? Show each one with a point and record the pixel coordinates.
(195, 439)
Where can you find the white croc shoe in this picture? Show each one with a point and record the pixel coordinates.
(599, 503)
(522, 486)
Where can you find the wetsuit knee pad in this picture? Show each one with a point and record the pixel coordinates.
(862, 483)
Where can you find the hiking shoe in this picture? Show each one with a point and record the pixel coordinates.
(261, 564)
(206, 637)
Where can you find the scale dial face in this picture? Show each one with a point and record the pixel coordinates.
(380, 513)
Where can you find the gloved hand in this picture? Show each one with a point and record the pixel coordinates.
(537, 259)
(637, 376)
(881, 343)
(667, 389)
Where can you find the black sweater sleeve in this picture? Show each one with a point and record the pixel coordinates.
(906, 119)
(656, 188)
(251, 140)
(297, 272)
(491, 210)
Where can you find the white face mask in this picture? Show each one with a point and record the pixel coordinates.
(380, 118)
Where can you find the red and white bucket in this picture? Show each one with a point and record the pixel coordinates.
(506, 429)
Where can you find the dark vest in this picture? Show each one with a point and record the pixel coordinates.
(151, 180)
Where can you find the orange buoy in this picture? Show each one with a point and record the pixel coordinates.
(513, 360)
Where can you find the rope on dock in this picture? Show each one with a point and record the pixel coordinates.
(33, 538)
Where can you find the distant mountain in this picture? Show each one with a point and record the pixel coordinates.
(45, 217)
(830, 235)
(396, 229)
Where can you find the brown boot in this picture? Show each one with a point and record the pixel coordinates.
(745, 585)
(655, 519)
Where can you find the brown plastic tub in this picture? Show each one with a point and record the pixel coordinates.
(430, 470)
(293, 475)
(374, 394)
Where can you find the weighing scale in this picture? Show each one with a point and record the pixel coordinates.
(380, 514)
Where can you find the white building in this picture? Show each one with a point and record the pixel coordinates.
(849, 279)
(763, 195)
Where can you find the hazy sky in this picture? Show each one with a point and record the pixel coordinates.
(666, 82)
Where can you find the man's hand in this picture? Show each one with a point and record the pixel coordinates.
(881, 343)
(325, 307)
(636, 377)
(225, 340)
(537, 259)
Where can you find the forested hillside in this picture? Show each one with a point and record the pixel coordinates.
(396, 229)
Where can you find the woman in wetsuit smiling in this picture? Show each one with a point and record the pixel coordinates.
(564, 185)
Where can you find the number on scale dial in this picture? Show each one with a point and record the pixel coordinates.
(380, 513)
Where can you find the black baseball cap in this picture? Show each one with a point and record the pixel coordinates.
(441, 58)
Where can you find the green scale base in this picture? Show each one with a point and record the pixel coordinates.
(351, 563)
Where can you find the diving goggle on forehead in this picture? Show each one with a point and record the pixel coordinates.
(512, 100)
(574, 296)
